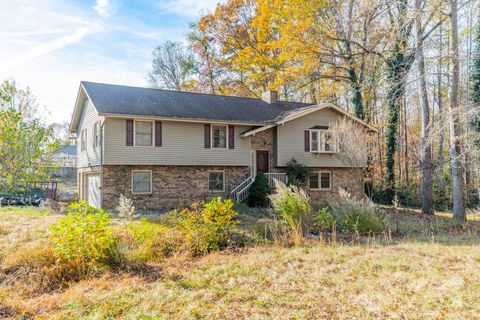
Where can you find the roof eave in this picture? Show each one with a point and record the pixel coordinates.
(177, 119)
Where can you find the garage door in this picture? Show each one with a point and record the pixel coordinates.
(93, 190)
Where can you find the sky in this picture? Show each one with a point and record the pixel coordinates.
(52, 45)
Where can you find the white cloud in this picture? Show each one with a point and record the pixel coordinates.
(46, 47)
(106, 8)
(188, 8)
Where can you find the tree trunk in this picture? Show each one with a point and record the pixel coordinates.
(426, 152)
(455, 131)
(441, 120)
(398, 65)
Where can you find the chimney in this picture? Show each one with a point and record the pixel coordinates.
(269, 96)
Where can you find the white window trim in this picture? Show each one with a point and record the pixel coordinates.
(223, 187)
(135, 132)
(83, 140)
(151, 181)
(96, 133)
(323, 145)
(318, 173)
(211, 136)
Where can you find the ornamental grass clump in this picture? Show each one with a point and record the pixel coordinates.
(354, 216)
(294, 206)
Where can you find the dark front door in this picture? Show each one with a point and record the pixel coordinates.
(262, 161)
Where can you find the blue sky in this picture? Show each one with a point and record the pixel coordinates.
(51, 45)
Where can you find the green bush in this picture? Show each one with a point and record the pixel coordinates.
(83, 239)
(323, 220)
(354, 216)
(297, 172)
(259, 191)
(294, 206)
(205, 226)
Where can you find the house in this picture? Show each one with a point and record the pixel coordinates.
(65, 157)
(167, 148)
(65, 162)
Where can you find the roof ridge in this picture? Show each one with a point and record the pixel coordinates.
(188, 92)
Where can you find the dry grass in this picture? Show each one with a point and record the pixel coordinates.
(427, 269)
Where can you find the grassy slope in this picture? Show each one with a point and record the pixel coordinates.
(409, 280)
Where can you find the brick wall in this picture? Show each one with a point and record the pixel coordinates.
(172, 186)
(345, 178)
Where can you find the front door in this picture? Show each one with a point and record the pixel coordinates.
(262, 161)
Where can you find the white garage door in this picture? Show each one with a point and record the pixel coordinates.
(93, 190)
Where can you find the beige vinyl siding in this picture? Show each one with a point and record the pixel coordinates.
(91, 156)
(182, 144)
(291, 143)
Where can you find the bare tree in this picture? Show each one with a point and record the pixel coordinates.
(426, 151)
(352, 141)
(455, 130)
(171, 66)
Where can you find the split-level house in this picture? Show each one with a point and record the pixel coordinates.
(167, 148)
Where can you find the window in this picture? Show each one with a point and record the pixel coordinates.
(83, 140)
(216, 181)
(143, 133)
(219, 137)
(96, 134)
(321, 180)
(142, 181)
(321, 141)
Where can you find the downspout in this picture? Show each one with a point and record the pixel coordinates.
(102, 124)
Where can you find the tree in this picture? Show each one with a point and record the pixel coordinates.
(455, 129)
(26, 144)
(426, 151)
(398, 62)
(352, 141)
(475, 96)
(171, 66)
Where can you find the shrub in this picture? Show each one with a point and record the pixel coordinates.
(205, 226)
(354, 216)
(323, 220)
(259, 191)
(293, 204)
(83, 240)
(297, 172)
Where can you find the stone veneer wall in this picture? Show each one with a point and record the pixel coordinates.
(264, 140)
(345, 178)
(172, 186)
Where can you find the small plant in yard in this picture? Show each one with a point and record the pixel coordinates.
(294, 206)
(323, 220)
(125, 207)
(83, 240)
(205, 226)
(259, 191)
(150, 241)
(354, 216)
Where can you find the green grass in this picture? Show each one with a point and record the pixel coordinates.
(426, 268)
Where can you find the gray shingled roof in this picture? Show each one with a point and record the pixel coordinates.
(125, 100)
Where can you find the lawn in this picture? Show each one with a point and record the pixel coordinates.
(421, 269)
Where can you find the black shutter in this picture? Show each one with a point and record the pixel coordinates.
(207, 136)
(129, 132)
(231, 137)
(307, 141)
(158, 133)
